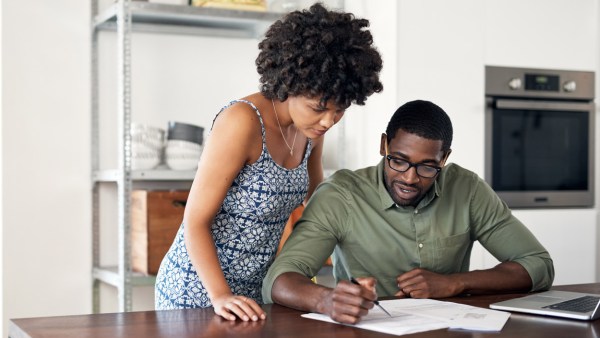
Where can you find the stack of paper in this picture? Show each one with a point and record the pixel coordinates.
(418, 315)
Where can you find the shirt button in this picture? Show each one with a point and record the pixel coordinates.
(416, 211)
(420, 245)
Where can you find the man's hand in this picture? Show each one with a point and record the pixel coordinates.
(421, 283)
(347, 302)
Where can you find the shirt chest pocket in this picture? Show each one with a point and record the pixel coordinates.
(452, 254)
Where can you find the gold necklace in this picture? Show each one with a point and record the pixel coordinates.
(281, 130)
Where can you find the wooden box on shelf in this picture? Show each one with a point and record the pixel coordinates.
(155, 219)
(242, 5)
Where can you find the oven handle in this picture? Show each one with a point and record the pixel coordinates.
(542, 105)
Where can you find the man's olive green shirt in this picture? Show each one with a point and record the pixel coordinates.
(353, 213)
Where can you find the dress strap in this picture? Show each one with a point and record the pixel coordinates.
(262, 125)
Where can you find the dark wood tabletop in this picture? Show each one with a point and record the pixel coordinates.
(284, 322)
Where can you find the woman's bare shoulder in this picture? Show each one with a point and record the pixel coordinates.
(240, 118)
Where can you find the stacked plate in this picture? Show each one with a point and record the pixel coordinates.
(147, 145)
(184, 145)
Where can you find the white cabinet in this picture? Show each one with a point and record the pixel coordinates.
(569, 235)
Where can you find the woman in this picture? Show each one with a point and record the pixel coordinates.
(263, 159)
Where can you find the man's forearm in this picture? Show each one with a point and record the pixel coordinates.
(506, 276)
(294, 290)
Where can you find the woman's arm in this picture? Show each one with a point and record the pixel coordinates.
(235, 140)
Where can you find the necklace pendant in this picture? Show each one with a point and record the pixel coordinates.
(281, 130)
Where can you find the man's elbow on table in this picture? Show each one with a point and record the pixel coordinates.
(294, 290)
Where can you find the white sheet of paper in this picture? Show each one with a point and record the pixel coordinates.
(399, 324)
(418, 315)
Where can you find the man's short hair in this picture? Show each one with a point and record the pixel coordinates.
(422, 118)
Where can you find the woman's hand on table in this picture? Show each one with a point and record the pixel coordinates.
(231, 307)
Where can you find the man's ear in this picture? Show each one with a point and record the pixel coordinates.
(382, 145)
(446, 157)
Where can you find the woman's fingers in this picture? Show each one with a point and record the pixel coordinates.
(242, 307)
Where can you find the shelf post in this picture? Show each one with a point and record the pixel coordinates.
(124, 151)
(95, 157)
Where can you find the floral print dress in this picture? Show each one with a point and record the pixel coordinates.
(246, 232)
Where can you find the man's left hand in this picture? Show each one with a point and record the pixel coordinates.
(421, 283)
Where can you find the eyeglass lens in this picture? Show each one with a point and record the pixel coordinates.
(422, 169)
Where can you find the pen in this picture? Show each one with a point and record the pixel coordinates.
(354, 281)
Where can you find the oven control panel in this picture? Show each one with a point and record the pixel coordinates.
(539, 83)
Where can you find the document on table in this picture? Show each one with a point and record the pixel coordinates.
(418, 315)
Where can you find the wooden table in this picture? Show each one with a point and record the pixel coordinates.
(283, 322)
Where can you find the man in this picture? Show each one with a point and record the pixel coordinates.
(405, 228)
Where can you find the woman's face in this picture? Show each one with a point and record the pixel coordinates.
(312, 119)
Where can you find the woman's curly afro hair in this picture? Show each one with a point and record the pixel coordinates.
(319, 53)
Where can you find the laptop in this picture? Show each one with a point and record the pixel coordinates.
(574, 305)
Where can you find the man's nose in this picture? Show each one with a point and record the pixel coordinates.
(410, 176)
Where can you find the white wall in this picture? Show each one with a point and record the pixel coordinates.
(45, 158)
(1, 180)
(432, 49)
(364, 124)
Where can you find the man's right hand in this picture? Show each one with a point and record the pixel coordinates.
(348, 302)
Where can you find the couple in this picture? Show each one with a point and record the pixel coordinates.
(407, 224)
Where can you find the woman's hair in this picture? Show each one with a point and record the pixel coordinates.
(423, 118)
(319, 53)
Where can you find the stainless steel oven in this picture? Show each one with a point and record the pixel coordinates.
(539, 136)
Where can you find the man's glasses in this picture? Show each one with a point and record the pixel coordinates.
(400, 165)
(423, 170)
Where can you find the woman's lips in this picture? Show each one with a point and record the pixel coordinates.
(320, 132)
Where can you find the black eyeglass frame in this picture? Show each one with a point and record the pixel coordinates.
(410, 165)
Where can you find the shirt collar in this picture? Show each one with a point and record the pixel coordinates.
(387, 201)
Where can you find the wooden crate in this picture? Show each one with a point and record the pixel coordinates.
(155, 219)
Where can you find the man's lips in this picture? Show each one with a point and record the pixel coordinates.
(404, 191)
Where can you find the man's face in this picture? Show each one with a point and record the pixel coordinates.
(408, 188)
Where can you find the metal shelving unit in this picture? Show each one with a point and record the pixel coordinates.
(125, 17)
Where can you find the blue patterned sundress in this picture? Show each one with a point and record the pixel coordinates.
(246, 231)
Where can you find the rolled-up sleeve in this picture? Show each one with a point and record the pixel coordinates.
(507, 239)
(312, 241)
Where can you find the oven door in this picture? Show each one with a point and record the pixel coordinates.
(540, 153)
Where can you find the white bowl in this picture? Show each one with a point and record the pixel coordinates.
(182, 163)
(146, 135)
(181, 144)
(182, 153)
(144, 163)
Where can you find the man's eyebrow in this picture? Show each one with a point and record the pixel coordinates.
(405, 157)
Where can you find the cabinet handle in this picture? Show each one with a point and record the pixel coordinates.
(179, 204)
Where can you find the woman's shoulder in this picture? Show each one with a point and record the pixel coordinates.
(242, 109)
(241, 116)
(237, 130)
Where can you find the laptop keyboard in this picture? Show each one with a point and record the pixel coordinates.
(581, 304)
